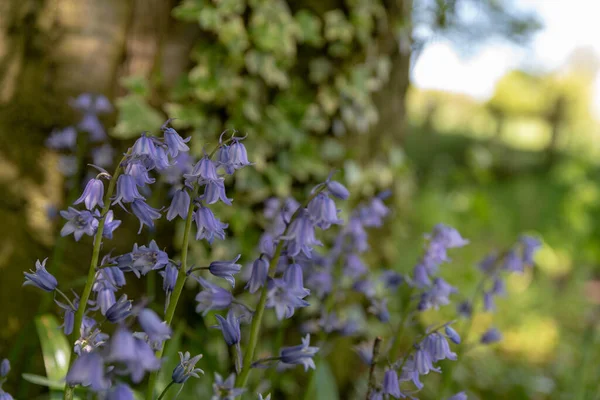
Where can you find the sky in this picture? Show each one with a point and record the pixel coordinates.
(567, 25)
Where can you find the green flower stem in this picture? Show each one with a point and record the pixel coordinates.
(401, 326)
(68, 395)
(374, 357)
(181, 277)
(165, 390)
(242, 378)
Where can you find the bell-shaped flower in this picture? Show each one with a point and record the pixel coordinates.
(78, 223)
(174, 142)
(145, 214)
(41, 278)
(213, 297)
(225, 269)
(180, 205)
(208, 225)
(92, 194)
(302, 354)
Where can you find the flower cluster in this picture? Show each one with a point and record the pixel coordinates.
(4, 370)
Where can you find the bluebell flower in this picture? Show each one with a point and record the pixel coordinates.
(458, 396)
(465, 309)
(260, 270)
(225, 390)
(223, 160)
(78, 223)
(364, 286)
(437, 295)
(452, 334)
(5, 396)
(448, 236)
(69, 314)
(121, 347)
(105, 299)
(161, 162)
(490, 336)
(391, 385)
(284, 300)
(41, 278)
(230, 328)
(320, 282)
(338, 190)
(186, 368)
(121, 391)
(61, 139)
(238, 157)
(379, 308)
(488, 301)
(208, 225)
(138, 170)
(144, 213)
(126, 190)
(372, 214)
(110, 224)
(294, 279)
(225, 269)
(356, 234)
(364, 351)
(169, 274)
(4, 368)
(391, 279)
(92, 194)
(530, 246)
(323, 211)
(437, 347)
(156, 329)
(144, 146)
(91, 124)
(145, 361)
(174, 142)
(488, 264)
(213, 297)
(513, 263)
(301, 236)
(410, 372)
(498, 287)
(354, 267)
(91, 337)
(120, 310)
(204, 171)
(376, 395)
(423, 361)
(301, 354)
(179, 205)
(215, 191)
(146, 259)
(88, 370)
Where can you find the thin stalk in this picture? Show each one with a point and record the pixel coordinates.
(401, 326)
(165, 390)
(181, 277)
(374, 357)
(68, 395)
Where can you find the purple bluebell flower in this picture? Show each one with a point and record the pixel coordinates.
(143, 259)
(294, 279)
(437, 347)
(126, 190)
(323, 211)
(364, 351)
(88, 370)
(143, 362)
(488, 264)
(120, 310)
(530, 246)
(223, 160)
(458, 396)
(144, 146)
(225, 390)
(179, 205)
(138, 170)
(215, 191)
(410, 372)
(110, 224)
(208, 225)
(91, 124)
(4, 368)
(121, 391)
(283, 299)
(161, 162)
(338, 190)
(238, 157)
(372, 214)
(204, 171)
(61, 139)
(144, 213)
(452, 334)
(186, 368)
(498, 287)
(354, 267)
(379, 308)
(121, 347)
(300, 354)
(266, 245)
(465, 309)
(513, 263)
(436, 296)
(423, 360)
(225, 269)
(260, 270)
(488, 301)
(420, 276)
(356, 234)
(78, 223)
(41, 278)
(490, 336)
(169, 274)
(320, 282)
(213, 297)
(376, 395)
(230, 328)
(69, 314)
(174, 142)
(391, 385)
(301, 236)
(156, 329)
(448, 236)
(102, 156)
(105, 299)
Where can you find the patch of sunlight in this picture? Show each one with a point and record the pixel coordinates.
(535, 339)
(554, 262)
(518, 283)
(527, 134)
(8, 170)
(460, 201)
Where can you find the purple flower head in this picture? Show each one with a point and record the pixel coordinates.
(337, 190)
(41, 278)
(144, 213)
(498, 288)
(88, 370)
(156, 329)
(448, 236)
(490, 336)
(513, 263)
(391, 385)
(488, 264)
(61, 139)
(4, 368)
(238, 157)
(223, 159)
(365, 286)
(68, 315)
(105, 298)
(230, 328)
(213, 297)
(301, 354)
(169, 275)
(410, 372)
(127, 191)
(354, 267)
(464, 309)
(323, 212)
(376, 395)
(356, 234)
(136, 167)
(144, 361)
(225, 390)
(452, 334)
(204, 171)
(488, 301)
(144, 259)
(379, 308)
(438, 295)
(215, 191)
(260, 270)
(186, 368)
(110, 224)
(114, 275)
(121, 347)
(208, 225)
(294, 279)
(285, 300)
(226, 269)
(423, 361)
(320, 282)
(121, 391)
(458, 396)
(174, 142)
(267, 245)
(364, 351)
(391, 279)
(372, 215)
(437, 347)
(161, 162)
(144, 146)
(91, 124)
(78, 223)
(119, 311)
(179, 205)
(530, 246)
(91, 103)
(301, 236)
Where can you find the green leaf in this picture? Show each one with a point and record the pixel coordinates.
(135, 116)
(43, 381)
(323, 385)
(55, 347)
